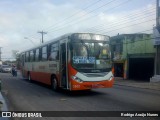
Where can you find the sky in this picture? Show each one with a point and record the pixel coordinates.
(21, 20)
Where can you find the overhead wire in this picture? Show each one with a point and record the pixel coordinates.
(128, 26)
(88, 6)
(54, 30)
(74, 14)
(123, 18)
(122, 23)
(83, 19)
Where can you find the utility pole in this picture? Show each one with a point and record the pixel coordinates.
(157, 13)
(156, 32)
(157, 26)
(42, 32)
(0, 53)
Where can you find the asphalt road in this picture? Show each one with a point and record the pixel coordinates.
(22, 95)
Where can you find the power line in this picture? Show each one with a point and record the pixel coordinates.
(132, 16)
(90, 5)
(81, 19)
(89, 17)
(117, 24)
(144, 31)
(129, 26)
(74, 14)
(93, 10)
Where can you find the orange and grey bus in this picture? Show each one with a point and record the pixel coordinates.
(77, 61)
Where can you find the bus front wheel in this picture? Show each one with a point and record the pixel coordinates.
(54, 84)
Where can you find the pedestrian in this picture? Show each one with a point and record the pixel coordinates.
(14, 71)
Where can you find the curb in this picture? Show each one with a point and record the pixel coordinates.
(3, 105)
(139, 85)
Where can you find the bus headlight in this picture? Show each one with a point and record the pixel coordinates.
(77, 79)
(110, 78)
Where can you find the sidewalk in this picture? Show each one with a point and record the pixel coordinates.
(139, 84)
(3, 105)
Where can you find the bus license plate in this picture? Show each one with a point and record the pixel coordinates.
(97, 86)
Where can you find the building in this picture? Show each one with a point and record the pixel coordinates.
(133, 56)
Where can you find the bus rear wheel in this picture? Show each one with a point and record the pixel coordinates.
(54, 84)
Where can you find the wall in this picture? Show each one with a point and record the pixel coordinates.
(137, 44)
(126, 45)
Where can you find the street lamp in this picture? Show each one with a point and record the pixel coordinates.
(30, 40)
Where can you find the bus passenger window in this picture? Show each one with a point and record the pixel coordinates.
(37, 55)
(44, 53)
(27, 57)
(54, 54)
(31, 56)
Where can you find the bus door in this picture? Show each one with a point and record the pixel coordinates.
(63, 65)
(22, 64)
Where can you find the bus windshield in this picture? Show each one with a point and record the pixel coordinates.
(91, 56)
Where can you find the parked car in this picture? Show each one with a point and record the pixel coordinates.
(5, 68)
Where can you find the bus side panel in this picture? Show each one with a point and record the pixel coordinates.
(41, 71)
(41, 77)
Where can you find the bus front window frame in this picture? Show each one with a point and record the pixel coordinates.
(92, 61)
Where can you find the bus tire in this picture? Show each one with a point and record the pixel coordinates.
(54, 84)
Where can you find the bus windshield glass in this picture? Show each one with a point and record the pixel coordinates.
(91, 56)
